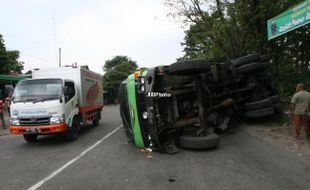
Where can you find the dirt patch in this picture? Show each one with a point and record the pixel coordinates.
(282, 135)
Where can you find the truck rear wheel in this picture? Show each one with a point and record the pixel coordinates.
(204, 142)
(252, 67)
(189, 67)
(246, 59)
(30, 137)
(275, 99)
(259, 113)
(97, 119)
(72, 133)
(95, 122)
(277, 108)
(258, 104)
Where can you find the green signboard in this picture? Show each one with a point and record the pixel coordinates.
(291, 19)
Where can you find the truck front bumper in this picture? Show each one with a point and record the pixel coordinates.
(44, 129)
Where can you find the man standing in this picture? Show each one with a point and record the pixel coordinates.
(300, 105)
(2, 114)
(8, 104)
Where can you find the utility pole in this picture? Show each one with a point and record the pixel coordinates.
(59, 57)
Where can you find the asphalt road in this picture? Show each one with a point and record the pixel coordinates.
(98, 161)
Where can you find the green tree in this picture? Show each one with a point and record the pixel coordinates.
(224, 30)
(116, 70)
(9, 60)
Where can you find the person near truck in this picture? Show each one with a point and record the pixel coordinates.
(300, 105)
(2, 106)
(8, 104)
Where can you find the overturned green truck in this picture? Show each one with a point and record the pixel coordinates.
(189, 102)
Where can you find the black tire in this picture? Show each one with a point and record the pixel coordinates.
(95, 122)
(30, 138)
(277, 107)
(190, 67)
(266, 81)
(246, 59)
(258, 104)
(266, 64)
(264, 58)
(259, 113)
(72, 133)
(206, 142)
(97, 119)
(274, 99)
(252, 67)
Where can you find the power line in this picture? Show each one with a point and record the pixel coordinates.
(36, 57)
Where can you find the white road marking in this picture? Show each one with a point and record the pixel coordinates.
(53, 174)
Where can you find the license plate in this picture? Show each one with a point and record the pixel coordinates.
(33, 130)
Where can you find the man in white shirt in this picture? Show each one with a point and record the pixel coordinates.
(300, 105)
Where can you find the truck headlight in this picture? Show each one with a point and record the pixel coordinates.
(56, 119)
(142, 80)
(14, 121)
(144, 115)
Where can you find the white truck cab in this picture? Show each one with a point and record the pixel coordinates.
(56, 100)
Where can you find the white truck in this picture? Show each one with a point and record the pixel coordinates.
(56, 100)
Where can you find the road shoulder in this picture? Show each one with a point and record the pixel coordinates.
(281, 135)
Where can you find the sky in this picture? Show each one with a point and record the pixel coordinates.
(90, 32)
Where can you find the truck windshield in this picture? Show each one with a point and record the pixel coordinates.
(37, 90)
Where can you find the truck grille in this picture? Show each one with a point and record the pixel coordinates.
(34, 121)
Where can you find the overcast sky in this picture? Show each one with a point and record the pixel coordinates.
(90, 32)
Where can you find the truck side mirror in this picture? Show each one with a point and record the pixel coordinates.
(60, 99)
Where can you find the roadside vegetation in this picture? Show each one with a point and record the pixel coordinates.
(116, 70)
(9, 64)
(222, 30)
(9, 60)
